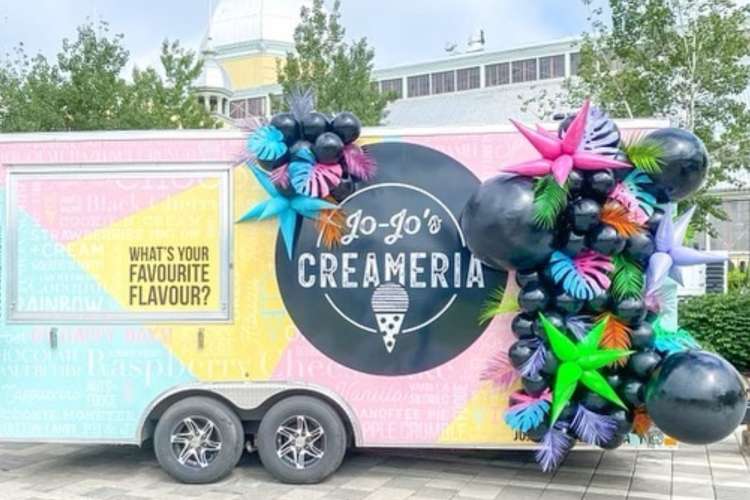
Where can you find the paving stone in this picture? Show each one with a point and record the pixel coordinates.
(436, 493)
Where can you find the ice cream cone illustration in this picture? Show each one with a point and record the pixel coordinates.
(390, 303)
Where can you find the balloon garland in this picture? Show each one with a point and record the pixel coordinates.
(589, 230)
(307, 163)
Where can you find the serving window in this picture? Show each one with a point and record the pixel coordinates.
(118, 243)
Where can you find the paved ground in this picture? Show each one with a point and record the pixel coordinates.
(65, 472)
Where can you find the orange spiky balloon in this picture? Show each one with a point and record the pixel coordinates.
(619, 218)
(330, 225)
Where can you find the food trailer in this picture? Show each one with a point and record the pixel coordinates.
(135, 307)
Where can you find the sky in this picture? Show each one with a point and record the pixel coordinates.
(401, 31)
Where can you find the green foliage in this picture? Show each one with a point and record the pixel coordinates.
(678, 59)
(498, 302)
(549, 200)
(627, 279)
(644, 154)
(720, 322)
(738, 280)
(84, 89)
(339, 73)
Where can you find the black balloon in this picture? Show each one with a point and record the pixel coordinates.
(288, 125)
(533, 298)
(624, 421)
(567, 303)
(585, 214)
(600, 183)
(553, 318)
(605, 240)
(298, 146)
(572, 243)
(576, 181)
(344, 189)
(696, 397)
(569, 412)
(640, 246)
(534, 386)
(313, 125)
(537, 433)
(614, 443)
(594, 402)
(521, 351)
(328, 148)
(270, 165)
(642, 364)
(655, 220)
(632, 392)
(642, 337)
(632, 310)
(614, 380)
(347, 127)
(684, 162)
(551, 364)
(498, 222)
(522, 326)
(600, 303)
(524, 278)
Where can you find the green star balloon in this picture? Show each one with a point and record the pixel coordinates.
(580, 363)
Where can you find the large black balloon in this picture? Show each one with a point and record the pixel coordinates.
(605, 240)
(696, 397)
(624, 421)
(498, 222)
(684, 162)
(585, 214)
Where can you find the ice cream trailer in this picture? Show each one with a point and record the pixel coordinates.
(135, 307)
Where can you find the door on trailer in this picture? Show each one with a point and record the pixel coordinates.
(96, 259)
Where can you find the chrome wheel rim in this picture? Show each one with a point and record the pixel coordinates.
(196, 442)
(300, 442)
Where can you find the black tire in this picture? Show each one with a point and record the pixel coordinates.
(332, 441)
(216, 464)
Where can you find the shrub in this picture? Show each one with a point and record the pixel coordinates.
(720, 322)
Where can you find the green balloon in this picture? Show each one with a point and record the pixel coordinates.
(579, 363)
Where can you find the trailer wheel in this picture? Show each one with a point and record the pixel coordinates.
(301, 440)
(198, 440)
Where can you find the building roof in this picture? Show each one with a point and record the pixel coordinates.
(213, 75)
(235, 23)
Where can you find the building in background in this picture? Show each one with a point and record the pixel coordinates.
(470, 85)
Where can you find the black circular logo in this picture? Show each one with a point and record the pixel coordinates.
(401, 294)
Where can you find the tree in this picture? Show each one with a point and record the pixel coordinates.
(677, 59)
(340, 74)
(85, 90)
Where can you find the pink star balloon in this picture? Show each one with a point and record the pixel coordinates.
(560, 156)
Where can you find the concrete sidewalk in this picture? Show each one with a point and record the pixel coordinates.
(63, 472)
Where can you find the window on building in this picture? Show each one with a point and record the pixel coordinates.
(468, 78)
(524, 70)
(418, 85)
(443, 82)
(733, 235)
(552, 67)
(256, 106)
(394, 87)
(496, 74)
(575, 62)
(237, 109)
